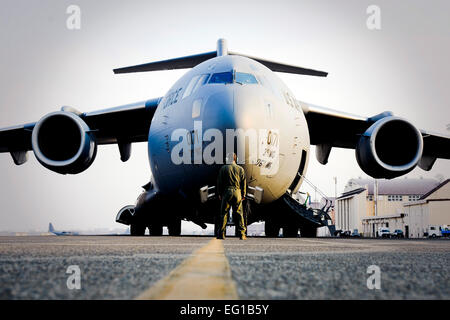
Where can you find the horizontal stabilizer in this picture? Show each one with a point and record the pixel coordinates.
(192, 61)
(170, 64)
(282, 67)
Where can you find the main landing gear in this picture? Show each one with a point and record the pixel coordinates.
(155, 229)
(138, 224)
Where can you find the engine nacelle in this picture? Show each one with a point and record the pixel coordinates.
(62, 142)
(391, 147)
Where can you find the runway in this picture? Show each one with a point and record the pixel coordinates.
(123, 267)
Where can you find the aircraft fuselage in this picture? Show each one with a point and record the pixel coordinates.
(228, 99)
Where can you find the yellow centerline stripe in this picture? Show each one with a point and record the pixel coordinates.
(205, 275)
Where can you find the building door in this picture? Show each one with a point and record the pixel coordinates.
(406, 231)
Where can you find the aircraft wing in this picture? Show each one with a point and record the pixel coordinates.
(16, 138)
(331, 128)
(123, 124)
(129, 123)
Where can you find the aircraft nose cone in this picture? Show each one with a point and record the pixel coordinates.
(236, 107)
(242, 119)
(239, 113)
(248, 107)
(230, 112)
(219, 111)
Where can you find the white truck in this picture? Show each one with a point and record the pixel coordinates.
(433, 231)
(438, 231)
(384, 232)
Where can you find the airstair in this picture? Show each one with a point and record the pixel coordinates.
(310, 217)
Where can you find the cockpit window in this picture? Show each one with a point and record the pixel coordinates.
(233, 77)
(245, 78)
(201, 81)
(222, 77)
(194, 84)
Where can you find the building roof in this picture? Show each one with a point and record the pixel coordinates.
(426, 195)
(389, 216)
(351, 193)
(399, 186)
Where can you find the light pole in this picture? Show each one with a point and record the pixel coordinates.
(335, 187)
(375, 193)
(335, 200)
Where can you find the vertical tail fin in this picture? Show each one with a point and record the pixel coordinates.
(50, 227)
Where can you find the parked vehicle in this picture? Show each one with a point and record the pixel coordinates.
(355, 234)
(344, 234)
(433, 232)
(337, 233)
(384, 232)
(445, 231)
(397, 234)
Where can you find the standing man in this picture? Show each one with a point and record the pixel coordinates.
(231, 188)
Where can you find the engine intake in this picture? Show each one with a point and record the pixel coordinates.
(391, 147)
(62, 142)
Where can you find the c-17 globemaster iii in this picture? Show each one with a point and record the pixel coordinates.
(227, 102)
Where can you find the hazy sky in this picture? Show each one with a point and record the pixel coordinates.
(403, 68)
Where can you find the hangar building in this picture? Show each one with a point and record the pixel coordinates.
(367, 204)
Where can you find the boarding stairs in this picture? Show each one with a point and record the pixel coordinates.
(306, 215)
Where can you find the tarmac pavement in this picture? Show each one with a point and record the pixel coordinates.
(122, 267)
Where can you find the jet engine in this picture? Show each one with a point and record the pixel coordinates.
(391, 147)
(62, 142)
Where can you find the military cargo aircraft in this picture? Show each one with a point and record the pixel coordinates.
(227, 102)
(51, 229)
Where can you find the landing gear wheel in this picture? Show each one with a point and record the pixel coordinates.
(156, 230)
(310, 232)
(271, 229)
(175, 228)
(137, 229)
(290, 231)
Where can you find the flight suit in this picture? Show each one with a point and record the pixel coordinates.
(231, 186)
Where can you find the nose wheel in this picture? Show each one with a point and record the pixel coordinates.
(155, 229)
(290, 231)
(271, 229)
(137, 229)
(174, 228)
